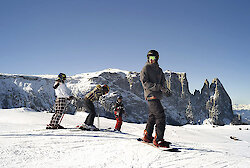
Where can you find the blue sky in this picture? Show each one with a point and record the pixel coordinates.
(204, 38)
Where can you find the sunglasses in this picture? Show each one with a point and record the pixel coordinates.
(152, 57)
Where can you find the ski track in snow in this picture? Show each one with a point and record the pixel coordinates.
(26, 143)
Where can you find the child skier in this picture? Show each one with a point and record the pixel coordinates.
(153, 82)
(118, 111)
(62, 95)
(92, 96)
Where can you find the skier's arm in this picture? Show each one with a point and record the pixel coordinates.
(56, 85)
(163, 88)
(115, 107)
(98, 92)
(124, 111)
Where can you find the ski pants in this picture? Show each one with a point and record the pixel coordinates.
(89, 107)
(118, 122)
(60, 106)
(156, 117)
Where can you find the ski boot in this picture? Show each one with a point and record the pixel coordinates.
(88, 127)
(116, 130)
(147, 138)
(161, 143)
(50, 126)
(60, 127)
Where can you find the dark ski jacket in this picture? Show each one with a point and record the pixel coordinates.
(153, 80)
(119, 108)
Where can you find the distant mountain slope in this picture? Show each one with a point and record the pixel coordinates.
(244, 111)
(182, 107)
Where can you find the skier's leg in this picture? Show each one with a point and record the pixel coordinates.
(160, 118)
(118, 123)
(60, 105)
(52, 121)
(120, 119)
(151, 119)
(91, 109)
(150, 124)
(56, 114)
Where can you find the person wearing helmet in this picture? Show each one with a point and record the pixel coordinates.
(154, 85)
(62, 95)
(90, 97)
(118, 111)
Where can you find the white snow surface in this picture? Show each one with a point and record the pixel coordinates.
(24, 142)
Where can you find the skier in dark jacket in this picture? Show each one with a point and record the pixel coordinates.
(118, 111)
(90, 97)
(154, 85)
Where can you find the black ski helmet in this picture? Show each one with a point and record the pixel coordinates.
(119, 97)
(62, 76)
(153, 53)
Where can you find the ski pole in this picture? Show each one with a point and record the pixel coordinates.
(61, 119)
(98, 117)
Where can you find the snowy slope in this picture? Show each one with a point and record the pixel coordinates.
(25, 143)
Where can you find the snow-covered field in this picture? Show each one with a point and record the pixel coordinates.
(25, 143)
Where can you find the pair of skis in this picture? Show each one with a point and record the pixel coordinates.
(79, 129)
(101, 129)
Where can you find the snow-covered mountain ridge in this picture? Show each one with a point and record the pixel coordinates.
(36, 92)
(241, 107)
(244, 111)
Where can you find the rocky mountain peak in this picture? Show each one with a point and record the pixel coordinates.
(181, 108)
(206, 83)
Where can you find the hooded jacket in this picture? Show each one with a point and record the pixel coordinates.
(152, 79)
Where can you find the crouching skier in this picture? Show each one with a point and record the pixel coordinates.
(62, 96)
(118, 111)
(90, 97)
(153, 82)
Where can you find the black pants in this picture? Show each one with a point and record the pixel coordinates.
(89, 106)
(156, 117)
